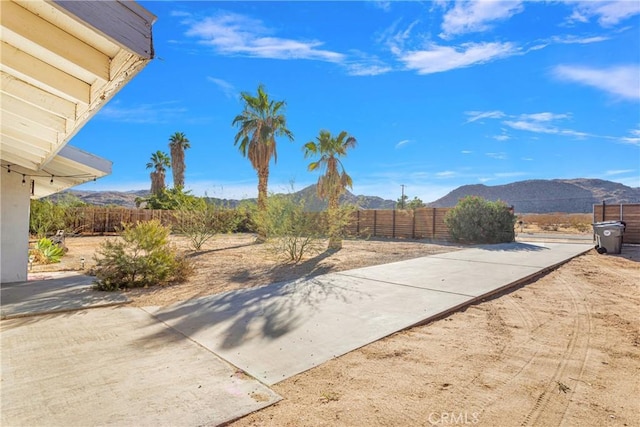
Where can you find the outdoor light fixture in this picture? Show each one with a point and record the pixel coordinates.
(24, 181)
(82, 263)
(51, 180)
(31, 258)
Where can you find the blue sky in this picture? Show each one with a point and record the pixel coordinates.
(437, 94)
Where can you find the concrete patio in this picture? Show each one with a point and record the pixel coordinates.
(209, 360)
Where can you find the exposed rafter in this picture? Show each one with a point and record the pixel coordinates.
(61, 62)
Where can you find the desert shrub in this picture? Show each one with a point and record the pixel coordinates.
(557, 221)
(582, 223)
(200, 223)
(45, 218)
(476, 220)
(140, 257)
(290, 231)
(46, 252)
(246, 212)
(170, 199)
(336, 224)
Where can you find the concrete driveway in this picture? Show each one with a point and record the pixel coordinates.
(207, 360)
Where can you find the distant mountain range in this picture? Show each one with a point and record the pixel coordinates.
(533, 196)
(543, 196)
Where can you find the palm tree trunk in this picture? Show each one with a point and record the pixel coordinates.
(177, 166)
(335, 238)
(263, 179)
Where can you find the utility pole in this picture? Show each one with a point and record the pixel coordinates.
(402, 198)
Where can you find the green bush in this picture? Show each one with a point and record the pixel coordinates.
(140, 257)
(45, 218)
(476, 220)
(201, 223)
(46, 252)
(290, 231)
(171, 199)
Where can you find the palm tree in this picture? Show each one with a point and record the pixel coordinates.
(178, 142)
(335, 180)
(260, 122)
(159, 162)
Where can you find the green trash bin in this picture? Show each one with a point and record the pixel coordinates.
(609, 236)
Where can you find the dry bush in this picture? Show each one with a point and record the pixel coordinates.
(559, 221)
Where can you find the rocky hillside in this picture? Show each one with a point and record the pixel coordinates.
(125, 199)
(543, 196)
(307, 194)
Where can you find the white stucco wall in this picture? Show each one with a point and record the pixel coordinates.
(14, 227)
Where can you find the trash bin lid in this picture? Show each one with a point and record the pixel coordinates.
(608, 224)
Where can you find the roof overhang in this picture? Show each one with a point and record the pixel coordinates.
(60, 62)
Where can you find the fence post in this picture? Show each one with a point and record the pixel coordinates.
(393, 224)
(433, 223)
(375, 220)
(621, 213)
(603, 209)
(413, 223)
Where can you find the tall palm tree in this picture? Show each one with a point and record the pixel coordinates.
(178, 142)
(159, 162)
(261, 121)
(335, 180)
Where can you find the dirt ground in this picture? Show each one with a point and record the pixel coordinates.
(561, 350)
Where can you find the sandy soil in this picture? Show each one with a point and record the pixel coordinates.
(234, 261)
(562, 350)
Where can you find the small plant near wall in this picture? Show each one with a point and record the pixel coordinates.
(46, 252)
(142, 256)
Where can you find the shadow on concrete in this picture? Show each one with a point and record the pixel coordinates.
(53, 295)
(267, 312)
(512, 247)
(280, 272)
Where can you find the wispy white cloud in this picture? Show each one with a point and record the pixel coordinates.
(163, 112)
(227, 88)
(544, 117)
(179, 14)
(446, 174)
(573, 39)
(479, 115)
(367, 67)
(473, 16)
(541, 127)
(527, 159)
(618, 172)
(436, 58)
(502, 137)
(383, 5)
(402, 143)
(607, 13)
(632, 138)
(622, 81)
(235, 34)
(508, 174)
(466, 152)
(497, 156)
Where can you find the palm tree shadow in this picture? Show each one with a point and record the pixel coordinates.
(200, 253)
(308, 268)
(225, 321)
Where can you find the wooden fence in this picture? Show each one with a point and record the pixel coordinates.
(629, 213)
(101, 220)
(422, 223)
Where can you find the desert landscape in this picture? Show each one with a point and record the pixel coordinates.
(563, 349)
